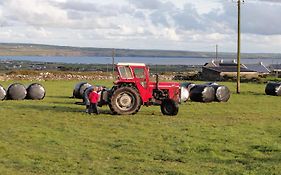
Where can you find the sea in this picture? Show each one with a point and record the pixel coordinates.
(146, 60)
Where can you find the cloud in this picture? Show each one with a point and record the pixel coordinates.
(257, 20)
(93, 15)
(274, 1)
(180, 24)
(78, 6)
(189, 19)
(254, 18)
(147, 4)
(33, 12)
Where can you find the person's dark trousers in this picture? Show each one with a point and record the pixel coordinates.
(87, 108)
(93, 108)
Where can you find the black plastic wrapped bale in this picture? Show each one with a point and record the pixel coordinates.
(273, 88)
(222, 93)
(35, 91)
(211, 83)
(16, 91)
(79, 89)
(202, 93)
(187, 85)
(104, 96)
(3, 93)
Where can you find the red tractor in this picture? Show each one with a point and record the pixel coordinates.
(134, 89)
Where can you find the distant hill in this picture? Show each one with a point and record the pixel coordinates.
(15, 49)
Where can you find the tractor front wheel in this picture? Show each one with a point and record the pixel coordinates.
(169, 107)
(125, 101)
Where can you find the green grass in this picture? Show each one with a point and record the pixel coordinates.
(55, 136)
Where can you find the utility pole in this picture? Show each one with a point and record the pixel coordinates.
(107, 68)
(113, 57)
(238, 46)
(217, 52)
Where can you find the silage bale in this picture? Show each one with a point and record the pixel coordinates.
(184, 94)
(211, 83)
(35, 91)
(273, 88)
(3, 93)
(103, 95)
(79, 89)
(202, 93)
(185, 90)
(222, 93)
(16, 91)
(188, 85)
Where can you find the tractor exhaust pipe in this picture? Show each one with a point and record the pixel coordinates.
(157, 81)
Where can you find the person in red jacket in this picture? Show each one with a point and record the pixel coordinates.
(93, 97)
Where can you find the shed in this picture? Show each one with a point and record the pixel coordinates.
(217, 73)
(276, 69)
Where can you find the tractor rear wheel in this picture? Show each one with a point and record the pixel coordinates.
(125, 101)
(169, 107)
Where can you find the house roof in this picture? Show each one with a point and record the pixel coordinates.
(213, 63)
(275, 66)
(228, 66)
(231, 64)
(258, 68)
(228, 69)
(217, 63)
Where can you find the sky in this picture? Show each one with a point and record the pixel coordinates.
(192, 25)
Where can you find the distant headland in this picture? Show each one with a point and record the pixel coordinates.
(19, 49)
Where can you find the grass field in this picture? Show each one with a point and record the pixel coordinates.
(55, 136)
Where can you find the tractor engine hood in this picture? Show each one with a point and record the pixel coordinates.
(173, 89)
(163, 85)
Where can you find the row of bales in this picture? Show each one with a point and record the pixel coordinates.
(200, 93)
(195, 92)
(18, 91)
(207, 92)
